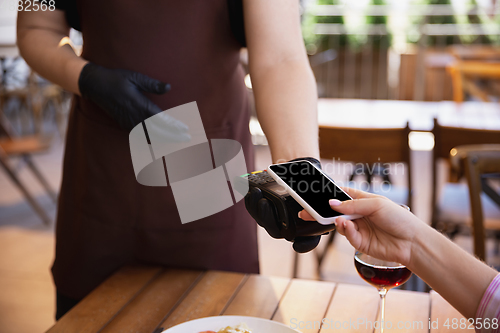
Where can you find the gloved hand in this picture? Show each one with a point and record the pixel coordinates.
(264, 213)
(119, 93)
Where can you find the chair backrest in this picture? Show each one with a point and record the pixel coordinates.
(445, 139)
(478, 163)
(367, 145)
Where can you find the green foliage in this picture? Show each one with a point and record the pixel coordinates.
(329, 19)
(310, 38)
(438, 19)
(376, 19)
(379, 41)
(444, 19)
(317, 43)
(475, 19)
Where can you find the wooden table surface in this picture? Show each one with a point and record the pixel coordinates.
(150, 299)
(392, 113)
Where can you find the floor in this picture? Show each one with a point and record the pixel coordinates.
(27, 246)
(27, 250)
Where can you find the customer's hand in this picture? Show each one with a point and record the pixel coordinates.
(390, 232)
(119, 93)
(386, 231)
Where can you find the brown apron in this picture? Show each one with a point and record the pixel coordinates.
(105, 218)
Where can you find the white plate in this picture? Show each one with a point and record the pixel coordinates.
(257, 325)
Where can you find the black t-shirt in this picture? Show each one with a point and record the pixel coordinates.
(235, 17)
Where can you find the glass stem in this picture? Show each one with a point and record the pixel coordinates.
(382, 292)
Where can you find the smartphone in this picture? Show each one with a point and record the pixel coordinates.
(311, 188)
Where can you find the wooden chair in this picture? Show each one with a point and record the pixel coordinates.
(53, 95)
(475, 52)
(368, 146)
(35, 99)
(23, 147)
(464, 74)
(479, 163)
(448, 212)
(474, 62)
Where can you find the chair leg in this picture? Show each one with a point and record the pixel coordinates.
(321, 256)
(41, 178)
(497, 243)
(295, 264)
(36, 207)
(61, 119)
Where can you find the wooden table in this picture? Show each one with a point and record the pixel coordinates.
(145, 299)
(475, 52)
(363, 113)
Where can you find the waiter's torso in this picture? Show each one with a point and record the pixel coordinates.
(105, 218)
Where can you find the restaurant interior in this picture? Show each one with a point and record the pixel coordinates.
(410, 88)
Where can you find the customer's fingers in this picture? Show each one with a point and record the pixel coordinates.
(352, 234)
(340, 225)
(365, 207)
(358, 194)
(350, 230)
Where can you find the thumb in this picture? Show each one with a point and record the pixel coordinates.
(365, 207)
(148, 84)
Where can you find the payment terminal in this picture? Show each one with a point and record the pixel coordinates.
(287, 209)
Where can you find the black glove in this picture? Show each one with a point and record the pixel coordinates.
(264, 212)
(119, 93)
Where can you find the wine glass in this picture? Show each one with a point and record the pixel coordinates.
(381, 274)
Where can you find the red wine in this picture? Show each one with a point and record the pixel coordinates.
(380, 276)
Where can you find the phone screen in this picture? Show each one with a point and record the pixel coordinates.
(311, 185)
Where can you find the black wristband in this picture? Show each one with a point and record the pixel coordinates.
(309, 159)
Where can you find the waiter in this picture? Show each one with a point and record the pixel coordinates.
(134, 52)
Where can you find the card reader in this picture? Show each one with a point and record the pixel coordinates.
(287, 209)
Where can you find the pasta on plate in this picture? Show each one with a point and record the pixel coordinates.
(241, 328)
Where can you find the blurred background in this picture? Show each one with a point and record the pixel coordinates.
(408, 107)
